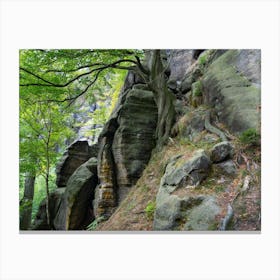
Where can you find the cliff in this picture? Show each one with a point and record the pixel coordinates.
(206, 176)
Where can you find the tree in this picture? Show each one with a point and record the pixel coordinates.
(42, 130)
(66, 75)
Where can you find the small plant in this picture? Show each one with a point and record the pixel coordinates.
(250, 137)
(94, 224)
(150, 209)
(197, 88)
(202, 59)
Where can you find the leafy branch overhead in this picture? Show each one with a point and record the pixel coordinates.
(65, 75)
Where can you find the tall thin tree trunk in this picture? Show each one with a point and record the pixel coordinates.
(47, 189)
(27, 202)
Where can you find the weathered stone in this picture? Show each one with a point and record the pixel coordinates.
(75, 211)
(202, 217)
(106, 193)
(179, 62)
(168, 212)
(232, 86)
(40, 222)
(227, 167)
(75, 155)
(221, 151)
(181, 172)
(135, 136)
(93, 150)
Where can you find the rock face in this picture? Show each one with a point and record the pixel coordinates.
(203, 216)
(135, 137)
(179, 63)
(126, 143)
(75, 211)
(232, 87)
(40, 222)
(221, 151)
(173, 206)
(75, 155)
(182, 171)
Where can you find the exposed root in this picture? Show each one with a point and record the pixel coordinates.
(213, 129)
(226, 220)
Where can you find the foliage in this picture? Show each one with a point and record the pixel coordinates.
(250, 137)
(202, 59)
(197, 88)
(150, 209)
(56, 86)
(94, 224)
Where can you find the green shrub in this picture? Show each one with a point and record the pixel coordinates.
(94, 224)
(197, 88)
(150, 209)
(202, 59)
(250, 137)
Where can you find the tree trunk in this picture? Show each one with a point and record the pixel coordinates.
(163, 98)
(26, 202)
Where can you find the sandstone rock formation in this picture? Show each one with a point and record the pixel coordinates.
(232, 87)
(40, 222)
(75, 210)
(212, 87)
(126, 143)
(75, 155)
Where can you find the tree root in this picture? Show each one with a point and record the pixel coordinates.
(213, 129)
(226, 220)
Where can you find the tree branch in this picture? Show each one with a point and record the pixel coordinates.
(49, 83)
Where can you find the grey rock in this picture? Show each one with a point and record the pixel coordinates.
(75, 211)
(202, 217)
(168, 212)
(227, 167)
(135, 137)
(232, 87)
(125, 146)
(180, 172)
(74, 156)
(221, 151)
(195, 124)
(179, 64)
(183, 171)
(40, 221)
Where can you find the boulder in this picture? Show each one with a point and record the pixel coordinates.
(174, 208)
(231, 86)
(75, 211)
(183, 170)
(221, 151)
(74, 156)
(203, 216)
(40, 222)
(228, 167)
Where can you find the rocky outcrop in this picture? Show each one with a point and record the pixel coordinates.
(225, 82)
(40, 222)
(76, 211)
(221, 151)
(75, 155)
(231, 86)
(179, 62)
(126, 143)
(173, 206)
(135, 138)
